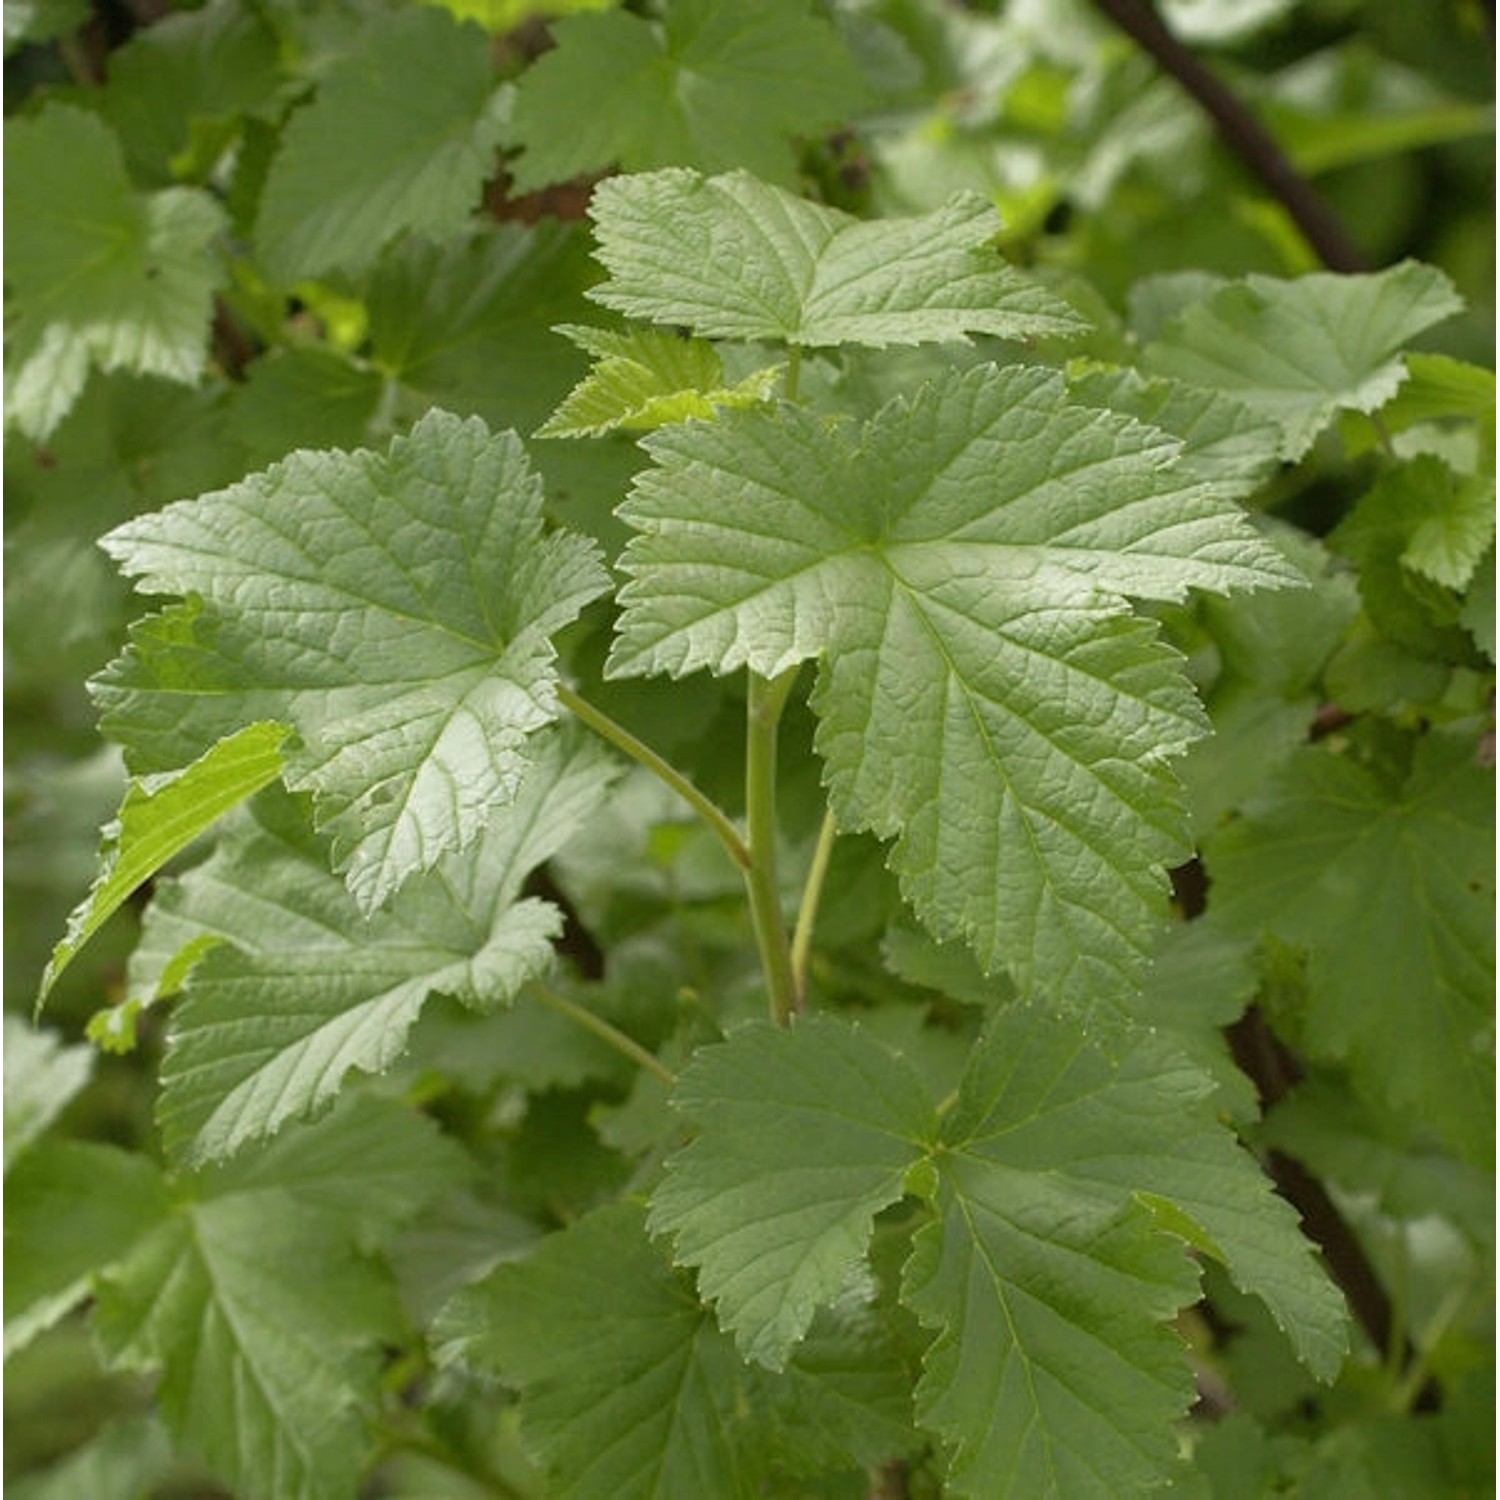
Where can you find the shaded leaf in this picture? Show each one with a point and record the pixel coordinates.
(711, 86)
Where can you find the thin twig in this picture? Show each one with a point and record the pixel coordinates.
(711, 813)
(1242, 133)
(625, 1045)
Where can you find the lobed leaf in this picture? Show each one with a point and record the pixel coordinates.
(104, 277)
(1390, 889)
(1048, 1276)
(255, 1298)
(301, 987)
(401, 136)
(72, 1209)
(711, 86)
(629, 1391)
(959, 565)
(762, 1100)
(1301, 351)
(735, 258)
(395, 609)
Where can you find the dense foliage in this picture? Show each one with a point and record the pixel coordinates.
(797, 709)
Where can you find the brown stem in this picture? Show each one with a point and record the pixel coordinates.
(1275, 1070)
(1242, 133)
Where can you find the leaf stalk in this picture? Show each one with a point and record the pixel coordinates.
(625, 1045)
(767, 698)
(719, 822)
(807, 912)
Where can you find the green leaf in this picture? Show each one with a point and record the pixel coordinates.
(257, 1302)
(644, 379)
(1478, 613)
(302, 987)
(394, 608)
(713, 86)
(104, 276)
(1392, 1156)
(179, 87)
(1301, 351)
(1440, 387)
(731, 257)
(303, 398)
(42, 1074)
(127, 1458)
(776, 1227)
(41, 20)
(72, 1209)
(160, 817)
(1390, 888)
(627, 1388)
(983, 695)
(1048, 1276)
(401, 136)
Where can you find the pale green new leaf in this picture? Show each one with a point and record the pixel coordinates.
(1049, 1275)
(401, 136)
(735, 258)
(302, 988)
(1390, 889)
(1301, 351)
(644, 379)
(959, 566)
(804, 1136)
(394, 608)
(628, 1390)
(42, 1074)
(712, 86)
(256, 1300)
(160, 817)
(104, 277)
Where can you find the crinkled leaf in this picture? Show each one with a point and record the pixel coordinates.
(804, 1136)
(1048, 1276)
(1225, 444)
(105, 277)
(712, 86)
(160, 817)
(644, 379)
(42, 1074)
(959, 565)
(401, 136)
(731, 257)
(256, 1301)
(301, 987)
(394, 608)
(72, 1208)
(1301, 351)
(1391, 891)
